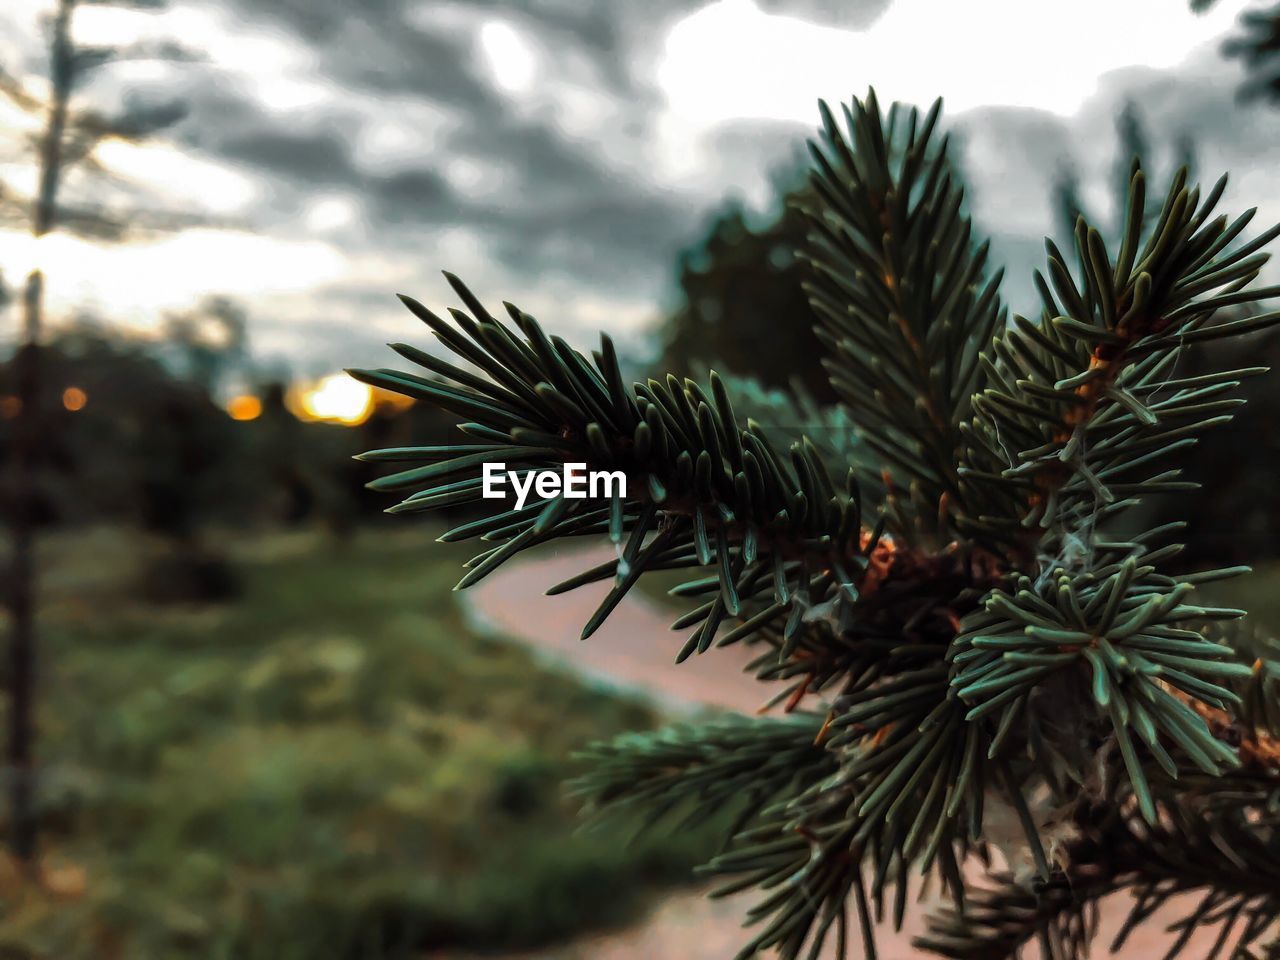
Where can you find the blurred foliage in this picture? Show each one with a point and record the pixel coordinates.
(209, 342)
(1132, 141)
(147, 442)
(332, 767)
(324, 764)
(1257, 45)
(741, 305)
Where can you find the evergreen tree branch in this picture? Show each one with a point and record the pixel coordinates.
(814, 859)
(1255, 724)
(1081, 406)
(1125, 631)
(996, 668)
(1227, 853)
(700, 489)
(732, 763)
(900, 292)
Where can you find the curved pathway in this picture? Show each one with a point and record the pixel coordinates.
(635, 649)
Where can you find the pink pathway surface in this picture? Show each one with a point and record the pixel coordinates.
(634, 649)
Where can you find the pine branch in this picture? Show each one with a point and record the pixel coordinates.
(1000, 918)
(729, 764)
(813, 856)
(995, 669)
(1228, 855)
(901, 294)
(700, 489)
(1081, 406)
(1217, 833)
(1127, 628)
(1256, 723)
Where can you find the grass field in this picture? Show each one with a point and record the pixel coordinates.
(330, 766)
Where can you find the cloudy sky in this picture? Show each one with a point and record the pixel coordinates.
(559, 153)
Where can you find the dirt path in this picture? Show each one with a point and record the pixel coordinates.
(635, 650)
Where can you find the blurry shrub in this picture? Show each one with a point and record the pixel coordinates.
(522, 785)
(192, 575)
(328, 767)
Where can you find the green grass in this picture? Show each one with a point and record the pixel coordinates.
(331, 766)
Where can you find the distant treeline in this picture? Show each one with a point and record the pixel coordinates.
(127, 437)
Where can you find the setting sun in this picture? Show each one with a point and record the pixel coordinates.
(336, 399)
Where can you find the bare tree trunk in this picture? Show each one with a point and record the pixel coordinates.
(22, 644)
(22, 601)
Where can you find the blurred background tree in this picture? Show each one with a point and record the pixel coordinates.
(1257, 45)
(64, 150)
(1132, 141)
(741, 303)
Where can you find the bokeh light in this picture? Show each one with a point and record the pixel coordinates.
(74, 399)
(244, 407)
